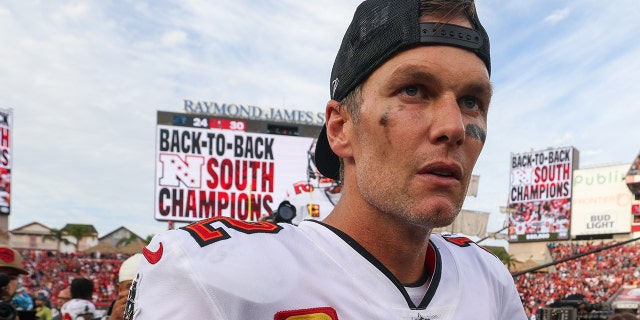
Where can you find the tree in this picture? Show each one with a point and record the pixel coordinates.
(78, 232)
(507, 259)
(56, 235)
(127, 240)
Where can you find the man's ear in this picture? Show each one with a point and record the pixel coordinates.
(339, 125)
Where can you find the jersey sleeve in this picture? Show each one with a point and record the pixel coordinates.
(512, 307)
(487, 283)
(508, 301)
(166, 286)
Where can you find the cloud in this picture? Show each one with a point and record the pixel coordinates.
(557, 16)
(86, 79)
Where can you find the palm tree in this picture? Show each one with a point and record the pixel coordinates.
(125, 241)
(507, 259)
(56, 235)
(78, 232)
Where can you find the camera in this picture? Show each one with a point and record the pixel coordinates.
(285, 213)
(574, 307)
(7, 311)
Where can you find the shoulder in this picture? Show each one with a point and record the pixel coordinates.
(220, 244)
(221, 229)
(76, 307)
(476, 267)
(457, 242)
(463, 249)
(215, 263)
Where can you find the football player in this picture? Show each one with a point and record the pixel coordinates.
(410, 90)
(315, 197)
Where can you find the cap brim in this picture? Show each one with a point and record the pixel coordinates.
(327, 162)
(20, 270)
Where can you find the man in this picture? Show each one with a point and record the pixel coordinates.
(125, 277)
(63, 296)
(42, 311)
(80, 304)
(405, 124)
(11, 270)
(315, 197)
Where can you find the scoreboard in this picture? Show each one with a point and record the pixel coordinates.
(210, 166)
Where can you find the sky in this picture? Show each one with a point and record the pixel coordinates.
(85, 80)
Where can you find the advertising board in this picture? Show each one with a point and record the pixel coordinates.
(210, 166)
(601, 201)
(539, 199)
(6, 122)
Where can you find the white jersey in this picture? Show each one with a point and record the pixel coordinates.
(227, 269)
(311, 202)
(75, 308)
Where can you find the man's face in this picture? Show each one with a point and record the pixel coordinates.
(13, 280)
(63, 296)
(423, 122)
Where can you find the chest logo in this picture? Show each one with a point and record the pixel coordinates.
(323, 313)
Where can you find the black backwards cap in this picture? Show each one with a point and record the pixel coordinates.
(379, 30)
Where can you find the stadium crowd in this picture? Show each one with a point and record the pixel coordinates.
(597, 276)
(49, 273)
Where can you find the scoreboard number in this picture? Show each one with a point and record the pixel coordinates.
(237, 125)
(200, 122)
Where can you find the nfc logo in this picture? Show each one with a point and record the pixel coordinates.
(176, 170)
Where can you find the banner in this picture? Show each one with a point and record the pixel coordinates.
(6, 122)
(601, 201)
(540, 194)
(207, 167)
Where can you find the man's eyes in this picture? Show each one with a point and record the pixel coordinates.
(411, 91)
(470, 102)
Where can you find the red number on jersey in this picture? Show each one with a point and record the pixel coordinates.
(205, 234)
(459, 241)
(464, 242)
(302, 186)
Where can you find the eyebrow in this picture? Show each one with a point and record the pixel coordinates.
(411, 72)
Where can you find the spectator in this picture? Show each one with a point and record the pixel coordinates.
(42, 311)
(125, 276)
(63, 296)
(11, 267)
(22, 300)
(80, 304)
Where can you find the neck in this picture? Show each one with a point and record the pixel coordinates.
(399, 246)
